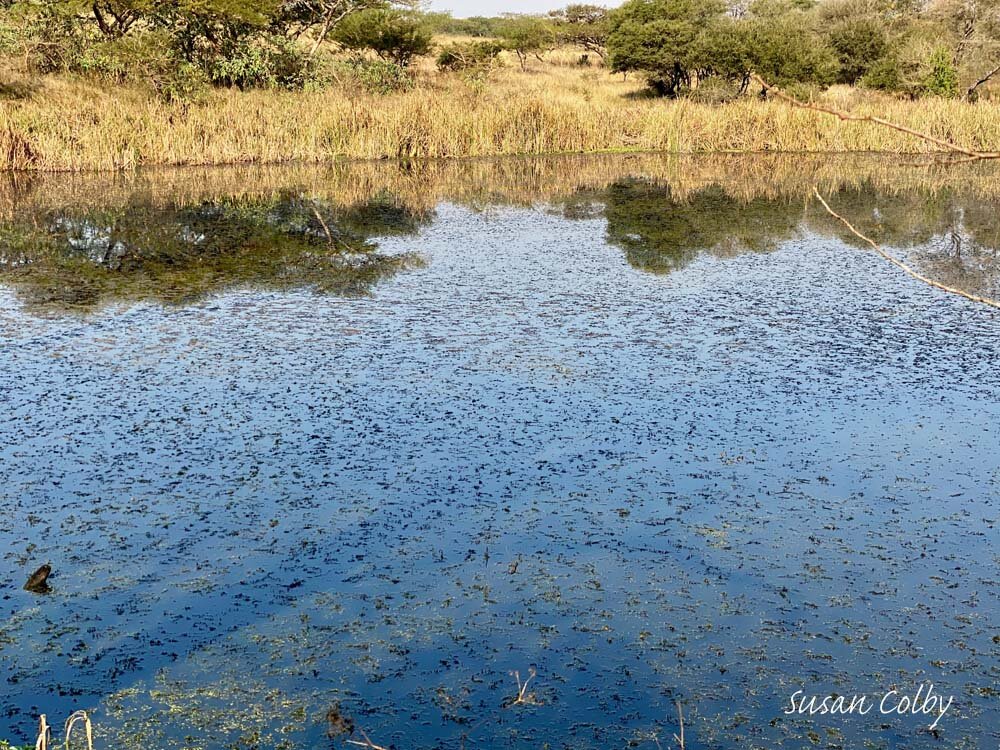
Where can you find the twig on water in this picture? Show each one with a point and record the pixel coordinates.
(322, 223)
(367, 743)
(679, 739)
(897, 262)
(523, 696)
(973, 154)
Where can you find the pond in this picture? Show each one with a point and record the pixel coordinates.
(372, 444)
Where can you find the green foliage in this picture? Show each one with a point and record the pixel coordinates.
(665, 39)
(177, 45)
(378, 76)
(785, 51)
(859, 44)
(583, 25)
(146, 58)
(264, 60)
(394, 36)
(942, 80)
(526, 35)
(884, 75)
(468, 56)
(477, 26)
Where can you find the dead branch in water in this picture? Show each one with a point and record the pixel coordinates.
(897, 262)
(946, 145)
(367, 743)
(523, 696)
(679, 739)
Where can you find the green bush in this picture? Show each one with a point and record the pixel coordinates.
(145, 59)
(884, 75)
(859, 44)
(378, 76)
(393, 35)
(942, 80)
(468, 56)
(261, 62)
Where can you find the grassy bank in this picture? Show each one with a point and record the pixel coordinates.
(58, 123)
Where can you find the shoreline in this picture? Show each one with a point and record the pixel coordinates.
(70, 124)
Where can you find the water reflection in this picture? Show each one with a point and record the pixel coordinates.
(77, 242)
(79, 258)
(661, 234)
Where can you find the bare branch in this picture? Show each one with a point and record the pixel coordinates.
(897, 262)
(946, 145)
(972, 89)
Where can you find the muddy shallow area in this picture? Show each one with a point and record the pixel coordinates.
(378, 436)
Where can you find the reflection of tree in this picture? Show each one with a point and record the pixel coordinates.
(175, 254)
(662, 235)
(952, 237)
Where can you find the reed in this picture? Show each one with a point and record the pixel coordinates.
(72, 124)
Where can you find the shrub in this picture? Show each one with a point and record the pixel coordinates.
(942, 80)
(262, 61)
(378, 76)
(394, 36)
(859, 44)
(146, 59)
(884, 75)
(468, 56)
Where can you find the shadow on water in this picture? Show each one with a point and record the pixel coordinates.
(655, 427)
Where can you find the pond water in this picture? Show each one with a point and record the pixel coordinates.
(377, 436)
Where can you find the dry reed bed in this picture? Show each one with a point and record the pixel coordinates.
(75, 125)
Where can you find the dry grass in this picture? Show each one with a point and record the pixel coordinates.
(75, 124)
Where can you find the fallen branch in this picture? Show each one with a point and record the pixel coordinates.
(367, 743)
(679, 739)
(897, 262)
(947, 145)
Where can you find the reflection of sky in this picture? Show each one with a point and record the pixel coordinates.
(467, 8)
(719, 483)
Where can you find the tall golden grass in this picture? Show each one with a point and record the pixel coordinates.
(77, 124)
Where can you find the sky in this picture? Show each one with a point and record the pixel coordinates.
(466, 8)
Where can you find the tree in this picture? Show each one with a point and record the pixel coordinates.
(586, 26)
(525, 35)
(859, 44)
(786, 52)
(393, 35)
(295, 17)
(665, 39)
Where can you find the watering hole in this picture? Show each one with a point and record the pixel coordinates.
(379, 435)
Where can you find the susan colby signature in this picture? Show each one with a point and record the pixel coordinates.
(924, 702)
